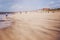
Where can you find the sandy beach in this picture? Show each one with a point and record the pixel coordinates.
(33, 26)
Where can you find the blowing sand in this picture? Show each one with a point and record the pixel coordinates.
(33, 26)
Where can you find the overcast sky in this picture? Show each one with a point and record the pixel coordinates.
(23, 5)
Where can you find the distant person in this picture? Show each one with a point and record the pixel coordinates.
(6, 15)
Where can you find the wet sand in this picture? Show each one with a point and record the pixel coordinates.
(33, 26)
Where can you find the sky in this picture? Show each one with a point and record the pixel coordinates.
(27, 5)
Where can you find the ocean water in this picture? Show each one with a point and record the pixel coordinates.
(3, 16)
(4, 22)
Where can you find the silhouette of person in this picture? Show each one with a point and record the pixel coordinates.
(6, 15)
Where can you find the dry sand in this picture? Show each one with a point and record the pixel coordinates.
(33, 26)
